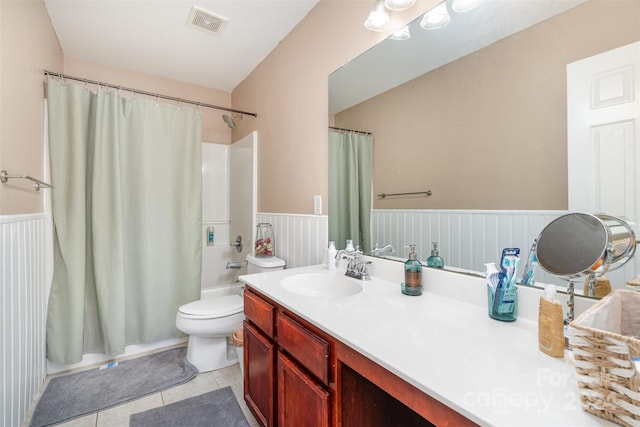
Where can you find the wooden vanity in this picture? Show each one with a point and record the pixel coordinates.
(298, 375)
(381, 358)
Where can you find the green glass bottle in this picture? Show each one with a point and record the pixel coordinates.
(412, 284)
(435, 260)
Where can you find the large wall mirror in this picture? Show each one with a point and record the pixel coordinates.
(477, 113)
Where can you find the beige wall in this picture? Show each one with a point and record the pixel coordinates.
(440, 131)
(28, 45)
(289, 92)
(213, 127)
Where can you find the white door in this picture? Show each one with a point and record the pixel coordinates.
(603, 109)
(603, 113)
(243, 194)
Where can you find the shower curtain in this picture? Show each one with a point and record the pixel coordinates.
(350, 185)
(127, 219)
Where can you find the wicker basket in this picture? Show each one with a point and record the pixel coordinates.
(605, 342)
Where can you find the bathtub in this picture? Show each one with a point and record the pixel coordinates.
(94, 359)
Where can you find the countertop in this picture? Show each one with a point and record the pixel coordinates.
(444, 343)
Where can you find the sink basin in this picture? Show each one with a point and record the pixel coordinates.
(321, 285)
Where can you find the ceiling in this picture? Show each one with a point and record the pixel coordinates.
(152, 36)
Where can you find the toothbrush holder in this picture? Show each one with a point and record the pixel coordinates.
(502, 303)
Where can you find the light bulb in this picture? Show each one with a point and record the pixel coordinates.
(437, 17)
(378, 19)
(461, 6)
(402, 34)
(399, 5)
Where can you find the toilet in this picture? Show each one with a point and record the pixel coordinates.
(210, 322)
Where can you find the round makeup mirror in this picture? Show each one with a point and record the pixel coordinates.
(576, 245)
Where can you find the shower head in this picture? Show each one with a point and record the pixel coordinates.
(231, 121)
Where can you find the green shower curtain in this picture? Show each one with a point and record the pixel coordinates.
(127, 219)
(350, 185)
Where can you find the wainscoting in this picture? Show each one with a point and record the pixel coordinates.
(466, 238)
(301, 240)
(23, 302)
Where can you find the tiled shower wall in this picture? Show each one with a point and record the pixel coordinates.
(23, 294)
(300, 239)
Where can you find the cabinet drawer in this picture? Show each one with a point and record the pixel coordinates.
(259, 312)
(308, 349)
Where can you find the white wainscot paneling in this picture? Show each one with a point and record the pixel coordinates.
(22, 314)
(301, 240)
(467, 239)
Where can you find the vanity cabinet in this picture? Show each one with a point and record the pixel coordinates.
(298, 375)
(286, 368)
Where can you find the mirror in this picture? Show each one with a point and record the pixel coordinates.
(497, 166)
(580, 245)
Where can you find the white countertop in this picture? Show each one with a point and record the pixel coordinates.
(444, 343)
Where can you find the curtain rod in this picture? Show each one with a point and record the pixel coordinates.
(349, 130)
(142, 92)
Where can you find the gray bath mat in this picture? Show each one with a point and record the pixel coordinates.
(218, 408)
(74, 395)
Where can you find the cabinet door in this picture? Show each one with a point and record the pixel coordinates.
(301, 400)
(259, 375)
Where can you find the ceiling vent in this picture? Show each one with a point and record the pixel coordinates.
(206, 21)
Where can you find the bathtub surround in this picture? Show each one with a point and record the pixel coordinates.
(216, 408)
(127, 220)
(75, 395)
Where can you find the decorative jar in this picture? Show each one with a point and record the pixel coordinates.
(265, 243)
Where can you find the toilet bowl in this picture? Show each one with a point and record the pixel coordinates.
(209, 323)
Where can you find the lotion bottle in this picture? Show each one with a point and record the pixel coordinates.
(550, 324)
(412, 284)
(331, 256)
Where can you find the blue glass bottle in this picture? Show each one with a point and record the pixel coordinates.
(435, 260)
(412, 284)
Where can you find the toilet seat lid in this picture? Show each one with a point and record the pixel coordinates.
(214, 307)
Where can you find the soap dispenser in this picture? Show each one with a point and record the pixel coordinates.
(412, 284)
(435, 260)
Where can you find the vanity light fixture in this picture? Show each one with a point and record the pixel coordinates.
(436, 18)
(399, 5)
(402, 34)
(378, 19)
(462, 6)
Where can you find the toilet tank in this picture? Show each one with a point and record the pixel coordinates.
(263, 264)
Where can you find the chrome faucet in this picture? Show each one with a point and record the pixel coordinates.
(357, 267)
(377, 252)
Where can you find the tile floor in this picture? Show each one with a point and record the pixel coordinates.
(202, 383)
